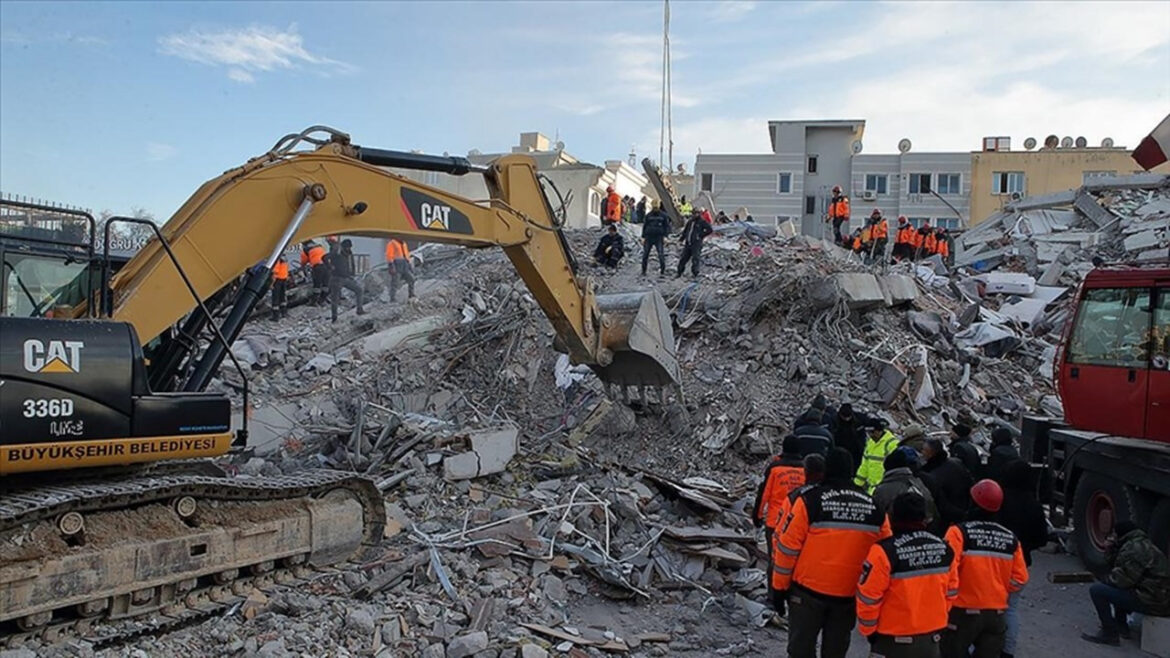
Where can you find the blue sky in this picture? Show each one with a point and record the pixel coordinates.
(116, 105)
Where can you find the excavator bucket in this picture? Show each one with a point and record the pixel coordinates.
(636, 330)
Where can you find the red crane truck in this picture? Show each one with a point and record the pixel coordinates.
(1109, 460)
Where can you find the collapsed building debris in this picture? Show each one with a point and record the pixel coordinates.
(515, 488)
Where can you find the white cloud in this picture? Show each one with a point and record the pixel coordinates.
(157, 151)
(248, 51)
(729, 11)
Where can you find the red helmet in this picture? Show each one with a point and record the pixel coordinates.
(901, 219)
(988, 495)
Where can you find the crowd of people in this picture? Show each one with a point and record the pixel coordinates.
(329, 271)
(872, 239)
(920, 542)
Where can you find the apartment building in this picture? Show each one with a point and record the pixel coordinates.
(809, 158)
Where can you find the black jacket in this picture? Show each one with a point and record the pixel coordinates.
(694, 232)
(655, 225)
(640, 211)
(813, 438)
(610, 240)
(1021, 511)
(341, 263)
(1001, 455)
(849, 434)
(952, 488)
(968, 454)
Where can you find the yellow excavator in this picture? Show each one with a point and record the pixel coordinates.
(107, 511)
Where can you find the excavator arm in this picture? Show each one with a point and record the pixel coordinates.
(250, 214)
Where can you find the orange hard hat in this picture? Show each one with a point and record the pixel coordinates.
(988, 495)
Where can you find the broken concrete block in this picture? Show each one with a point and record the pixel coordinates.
(888, 382)
(410, 334)
(1154, 254)
(1025, 311)
(1052, 273)
(322, 363)
(1008, 283)
(1087, 204)
(467, 645)
(898, 289)
(860, 289)
(463, 466)
(491, 450)
(1143, 240)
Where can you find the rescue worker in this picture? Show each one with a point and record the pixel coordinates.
(898, 478)
(943, 243)
(784, 474)
(684, 206)
(818, 556)
(991, 566)
(907, 584)
(610, 249)
(814, 474)
(613, 206)
(655, 228)
(692, 239)
(879, 234)
(838, 214)
(878, 446)
(812, 433)
(903, 239)
(854, 242)
(913, 436)
(313, 256)
(399, 268)
(341, 275)
(848, 432)
(280, 289)
(1138, 581)
(926, 241)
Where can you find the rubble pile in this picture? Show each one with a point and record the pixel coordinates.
(528, 514)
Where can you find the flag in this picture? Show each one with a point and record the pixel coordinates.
(1155, 148)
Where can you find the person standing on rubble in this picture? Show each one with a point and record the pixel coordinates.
(943, 244)
(927, 243)
(812, 434)
(838, 214)
(313, 256)
(280, 289)
(655, 228)
(963, 449)
(684, 206)
(612, 207)
(903, 240)
(341, 276)
(818, 559)
(610, 249)
(907, 584)
(879, 235)
(640, 211)
(991, 566)
(880, 444)
(693, 235)
(952, 483)
(849, 433)
(784, 474)
(399, 268)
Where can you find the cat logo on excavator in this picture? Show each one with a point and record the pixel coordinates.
(59, 356)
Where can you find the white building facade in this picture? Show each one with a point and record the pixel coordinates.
(809, 158)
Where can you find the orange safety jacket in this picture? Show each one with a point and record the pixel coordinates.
(881, 230)
(825, 538)
(930, 243)
(395, 250)
(280, 271)
(314, 257)
(944, 248)
(857, 243)
(905, 235)
(839, 209)
(907, 584)
(613, 207)
(990, 564)
(781, 478)
(866, 235)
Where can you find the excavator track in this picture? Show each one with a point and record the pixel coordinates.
(113, 560)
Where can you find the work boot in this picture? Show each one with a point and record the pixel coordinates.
(1111, 639)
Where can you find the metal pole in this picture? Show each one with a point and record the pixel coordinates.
(293, 226)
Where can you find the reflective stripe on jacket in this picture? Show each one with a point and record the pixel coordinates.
(881, 230)
(824, 540)
(907, 585)
(872, 468)
(839, 208)
(990, 563)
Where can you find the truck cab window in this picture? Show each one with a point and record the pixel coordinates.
(1160, 333)
(1112, 328)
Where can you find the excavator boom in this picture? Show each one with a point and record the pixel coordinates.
(250, 214)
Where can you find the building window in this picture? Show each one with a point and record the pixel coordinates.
(594, 203)
(877, 183)
(810, 205)
(1007, 182)
(812, 164)
(918, 222)
(1112, 328)
(949, 184)
(1086, 176)
(784, 183)
(706, 182)
(949, 223)
(919, 184)
(997, 143)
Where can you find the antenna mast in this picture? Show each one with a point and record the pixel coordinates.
(666, 134)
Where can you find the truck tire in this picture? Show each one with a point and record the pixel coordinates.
(1099, 503)
(1160, 525)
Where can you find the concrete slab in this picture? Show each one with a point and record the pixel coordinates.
(1051, 274)
(1087, 204)
(1026, 311)
(1049, 294)
(1154, 254)
(860, 289)
(1062, 198)
(1009, 283)
(491, 450)
(411, 334)
(898, 289)
(1144, 240)
(269, 426)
